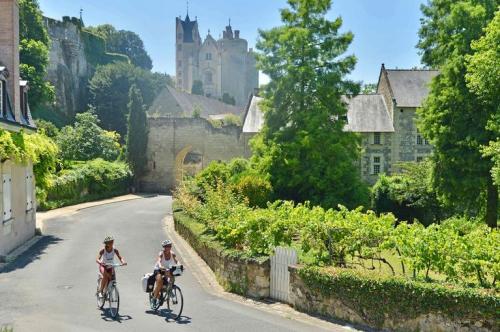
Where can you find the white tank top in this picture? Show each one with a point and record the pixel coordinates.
(166, 263)
(108, 257)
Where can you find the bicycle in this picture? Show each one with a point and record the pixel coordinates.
(111, 293)
(170, 293)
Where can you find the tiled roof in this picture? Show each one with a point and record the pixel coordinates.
(410, 87)
(175, 103)
(368, 113)
(254, 118)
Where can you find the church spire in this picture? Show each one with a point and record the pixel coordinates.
(187, 10)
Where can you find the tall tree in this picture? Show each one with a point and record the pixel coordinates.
(137, 138)
(34, 52)
(124, 42)
(453, 117)
(109, 92)
(483, 78)
(303, 144)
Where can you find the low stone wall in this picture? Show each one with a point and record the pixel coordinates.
(245, 276)
(333, 301)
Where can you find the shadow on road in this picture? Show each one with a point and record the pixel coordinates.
(168, 317)
(105, 316)
(32, 254)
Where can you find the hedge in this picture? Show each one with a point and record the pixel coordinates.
(86, 181)
(376, 298)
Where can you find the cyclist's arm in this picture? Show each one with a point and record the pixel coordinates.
(158, 261)
(174, 256)
(99, 255)
(122, 260)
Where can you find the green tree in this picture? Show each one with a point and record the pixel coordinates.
(453, 118)
(47, 128)
(303, 144)
(109, 91)
(197, 88)
(85, 140)
(124, 42)
(34, 52)
(137, 138)
(369, 88)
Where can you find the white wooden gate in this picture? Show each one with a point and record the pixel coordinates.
(280, 277)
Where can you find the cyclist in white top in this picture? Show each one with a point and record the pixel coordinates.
(107, 256)
(166, 259)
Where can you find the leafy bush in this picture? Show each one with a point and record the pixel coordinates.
(91, 180)
(35, 148)
(409, 195)
(256, 189)
(458, 251)
(86, 140)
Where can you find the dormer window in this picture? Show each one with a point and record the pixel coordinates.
(24, 102)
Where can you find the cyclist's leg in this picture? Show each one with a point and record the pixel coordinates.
(158, 285)
(103, 284)
(106, 277)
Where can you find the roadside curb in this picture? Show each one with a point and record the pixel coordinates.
(13, 255)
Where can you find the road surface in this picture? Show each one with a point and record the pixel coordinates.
(51, 287)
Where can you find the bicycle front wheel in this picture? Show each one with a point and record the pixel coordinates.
(175, 302)
(100, 299)
(114, 301)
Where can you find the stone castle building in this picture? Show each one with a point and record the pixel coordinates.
(224, 66)
(17, 183)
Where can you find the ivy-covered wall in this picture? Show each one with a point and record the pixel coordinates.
(74, 56)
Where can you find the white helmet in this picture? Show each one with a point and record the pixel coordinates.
(108, 239)
(166, 243)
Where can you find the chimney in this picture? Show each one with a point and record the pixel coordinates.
(237, 34)
(9, 50)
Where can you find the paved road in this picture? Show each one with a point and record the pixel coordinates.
(51, 287)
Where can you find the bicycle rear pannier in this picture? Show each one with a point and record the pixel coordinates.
(148, 282)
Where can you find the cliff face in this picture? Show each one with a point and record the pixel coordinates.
(74, 55)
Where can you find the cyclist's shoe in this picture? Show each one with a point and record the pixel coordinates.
(153, 303)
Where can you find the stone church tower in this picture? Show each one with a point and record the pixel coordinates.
(224, 66)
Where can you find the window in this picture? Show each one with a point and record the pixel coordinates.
(420, 139)
(179, 63)
(377, 138)
(377, 164)
(7, 197)
(420, 159)
(208, 78)
(179, 47)
(24, 102)
(179, 36)
(208, 56)
(29, 190)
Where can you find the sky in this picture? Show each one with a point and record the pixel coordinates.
(385, 31)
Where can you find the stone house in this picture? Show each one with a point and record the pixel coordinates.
(224, 66)
(17, 184)
(386, 121)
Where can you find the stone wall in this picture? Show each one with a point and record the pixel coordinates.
(308, 300)
(245, 276)
(73, 57)
(171, 138)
